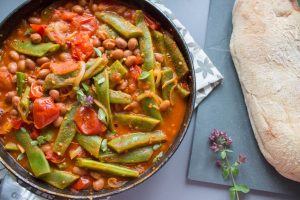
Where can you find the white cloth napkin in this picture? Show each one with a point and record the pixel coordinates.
(207, 78)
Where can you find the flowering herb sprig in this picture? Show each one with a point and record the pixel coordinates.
(220, 144)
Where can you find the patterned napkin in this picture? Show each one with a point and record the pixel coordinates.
(207, 78)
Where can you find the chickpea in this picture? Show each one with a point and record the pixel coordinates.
(127, 53)
(159, 57)
(101, 49)
(132, 44)
(22, 57)
(30, 80)
(14, 78)
(30, 64)
(43, 73)
(46, 148)
(82, 2)
(130, 60)
(121, 43)
(117, 54)
(62, 107)
(137, 52)
(9, 96)
(77, 9)
(12, 67)
(40, 82)
(14, 55)
(79, 171)
(109, 44)
(165, 105)
(64, 56)
(3, 69)
(96, 175)
(99, 184)
(42, 60)
(14, 112)
(96, 42)
(15, 100)
(102, 35)
(54, 94)
(34, 20)
(21, 65)
(94, 7)
(131, 88)
(35, 38)
(58, 121)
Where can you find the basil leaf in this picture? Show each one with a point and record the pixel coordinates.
(144, 75)
(102, 116)
(104, 147)
(98, 52)
(85, 87)
(20, 156)
(34, 142)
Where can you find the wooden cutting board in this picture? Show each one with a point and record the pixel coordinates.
(225, 109)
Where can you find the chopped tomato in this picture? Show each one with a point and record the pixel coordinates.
(151, 23)
(185, 86)
(82, 183)
(87, 24)
(16, 123)
(45, 111)
(36, 91)
(5, 80)
(54, 158)
(135, 72)
(81, 46)
(139, 60)
(34, 134)
(62, 68)
(87, 121)
(66, 15)
(38, 28)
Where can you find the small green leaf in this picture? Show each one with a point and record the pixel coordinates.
(85, 87)
(144, 75)
(20, 156)
(223, 154)
(234, 170)
(34, 142)
(228, 150)
(42, 139)
(98, 52)
(28, 31)
(102, 116)
(101, 80)
(104, 147)
(225, 173)
(158, 157)
(242, 188)
(232, 193)
(80, 96)
(156, 146)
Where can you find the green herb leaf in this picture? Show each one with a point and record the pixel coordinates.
(98, 52)
(28, 31)
(104, 147)
(20, 156)
(234, 170)
(242, 188)
(85, 87)
(232, 193)
(156, 146)
(34, 142)
(223, 154)
(158, 157)
(80, 96)
(144, 75)
(102, 116)
(101, 80)
(42, 140)
(225, 173)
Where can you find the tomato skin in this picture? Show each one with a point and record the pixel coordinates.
(62, 68)
(6, 80)
(151, 23)
(81, 46)
(17, 123)
(34, 134)
(38, 28)
(135, 72)
(54, 158)
(87, 121)
(45, 111)
(36, 91)
(82, 183)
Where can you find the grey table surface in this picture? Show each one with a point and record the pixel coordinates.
(171, 181)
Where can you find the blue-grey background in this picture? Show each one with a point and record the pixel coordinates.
(171, 181)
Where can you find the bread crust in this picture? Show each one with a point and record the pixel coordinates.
(265, 47)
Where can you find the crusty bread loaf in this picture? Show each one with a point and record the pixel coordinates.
(265, 47)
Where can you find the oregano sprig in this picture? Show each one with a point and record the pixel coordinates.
(220, 144)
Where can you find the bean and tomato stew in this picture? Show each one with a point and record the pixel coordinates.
(91, 94)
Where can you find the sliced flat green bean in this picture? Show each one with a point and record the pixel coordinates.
(36, 50)
(94, 67)
(102, 93)
(116, 67)
(36, 158)
(136, 156)
(59, 179)
(119, 97)
(169, 83)
(23, 107)
(145, 42)
(10, 146)
(159, 44)
(139, 122)
(21, 77)
(121, 25)
(134, 140)
(182, 91)
(107, 168)
(176, 57)
(66, 133)
(111, 33)
(53, 81)
(91, 143)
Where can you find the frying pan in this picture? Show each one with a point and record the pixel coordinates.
(25, 178)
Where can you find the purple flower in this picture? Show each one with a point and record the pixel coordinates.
(219, 163)
(242, 159)
(219, 140)
(88, 101)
